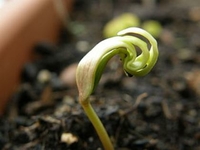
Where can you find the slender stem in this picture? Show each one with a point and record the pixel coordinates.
(103, 135)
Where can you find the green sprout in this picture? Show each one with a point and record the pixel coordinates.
(153, 27)
(91, 67)
(119, 23)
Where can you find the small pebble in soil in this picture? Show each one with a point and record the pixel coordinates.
(141, 142)
(193, 81)
(68, 138)
(83, 46)
(194, 13)
(44, 76)
(68, 75)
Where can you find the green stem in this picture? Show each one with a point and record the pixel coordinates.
(103, 135)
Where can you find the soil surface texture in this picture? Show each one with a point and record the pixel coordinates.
(160, 111)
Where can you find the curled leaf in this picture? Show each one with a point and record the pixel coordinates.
(91, 67)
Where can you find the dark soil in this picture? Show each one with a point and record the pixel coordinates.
(160, 111)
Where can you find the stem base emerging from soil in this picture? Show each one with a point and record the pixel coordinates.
(102, 133)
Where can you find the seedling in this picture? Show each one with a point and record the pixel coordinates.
(90, 68)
